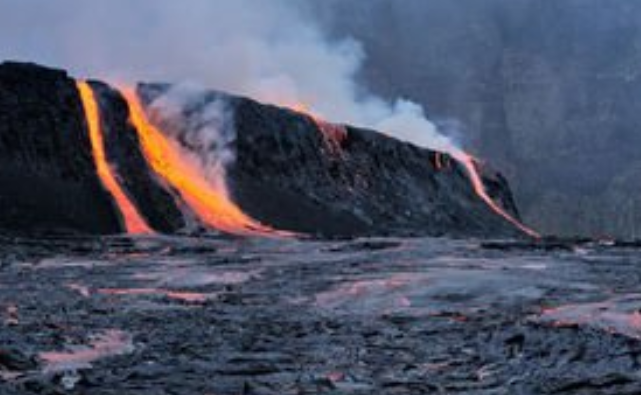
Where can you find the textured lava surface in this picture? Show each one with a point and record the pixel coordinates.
(364, 316)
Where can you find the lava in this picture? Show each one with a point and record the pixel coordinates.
(334, 135)
(134, 223)
(109, 343)
(479, 187)
(209, 201)
(188, 297)
(439, 163)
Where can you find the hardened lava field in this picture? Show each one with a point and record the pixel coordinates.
(159, 315)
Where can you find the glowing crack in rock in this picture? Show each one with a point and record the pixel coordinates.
(479, 188)
(334, 135)
(439, 161)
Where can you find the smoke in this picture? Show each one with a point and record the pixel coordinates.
(271, 50)
(203, 129)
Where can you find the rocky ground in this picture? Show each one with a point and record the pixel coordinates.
(368, 316)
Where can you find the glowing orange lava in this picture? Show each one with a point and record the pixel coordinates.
(334, 135)
(210, 203)
(134, 223)
(479, 187)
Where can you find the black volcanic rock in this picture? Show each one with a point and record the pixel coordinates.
(371, 316)
(47, 176)
(123, 150)
(549, 90)
(378, 183)
(285, 174)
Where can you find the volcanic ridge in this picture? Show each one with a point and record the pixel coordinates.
(92, 158)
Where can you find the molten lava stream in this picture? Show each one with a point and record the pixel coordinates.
(134, 223)
(477, 183)
(211, 204)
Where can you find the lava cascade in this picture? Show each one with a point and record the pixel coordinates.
(210, 201)
(134, 222)
(333, 135)
(479, 188)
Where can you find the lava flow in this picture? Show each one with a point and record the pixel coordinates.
(333, 135)
(134, 223)
(477, 183)
(211, 204)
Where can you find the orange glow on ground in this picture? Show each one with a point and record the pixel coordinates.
(212, 205)
(477, 183)
(134, 223)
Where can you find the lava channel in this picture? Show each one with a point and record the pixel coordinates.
(134, 222)
(479, 188)
(210, 201)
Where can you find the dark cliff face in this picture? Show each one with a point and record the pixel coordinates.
(47, 177)
(370, 182)
(286, 174)
(549, 91)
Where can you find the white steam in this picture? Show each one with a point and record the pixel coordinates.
(270, 50)
(205, 129)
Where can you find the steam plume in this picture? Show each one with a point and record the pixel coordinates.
(205, 130)
(271, 50)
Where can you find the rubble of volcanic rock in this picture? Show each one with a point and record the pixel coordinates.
(391, 316)
(286, 173)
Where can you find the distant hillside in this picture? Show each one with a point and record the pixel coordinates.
(547, 90)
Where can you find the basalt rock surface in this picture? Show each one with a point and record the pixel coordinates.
(46, 171)
(285, 174)
(175, 315)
